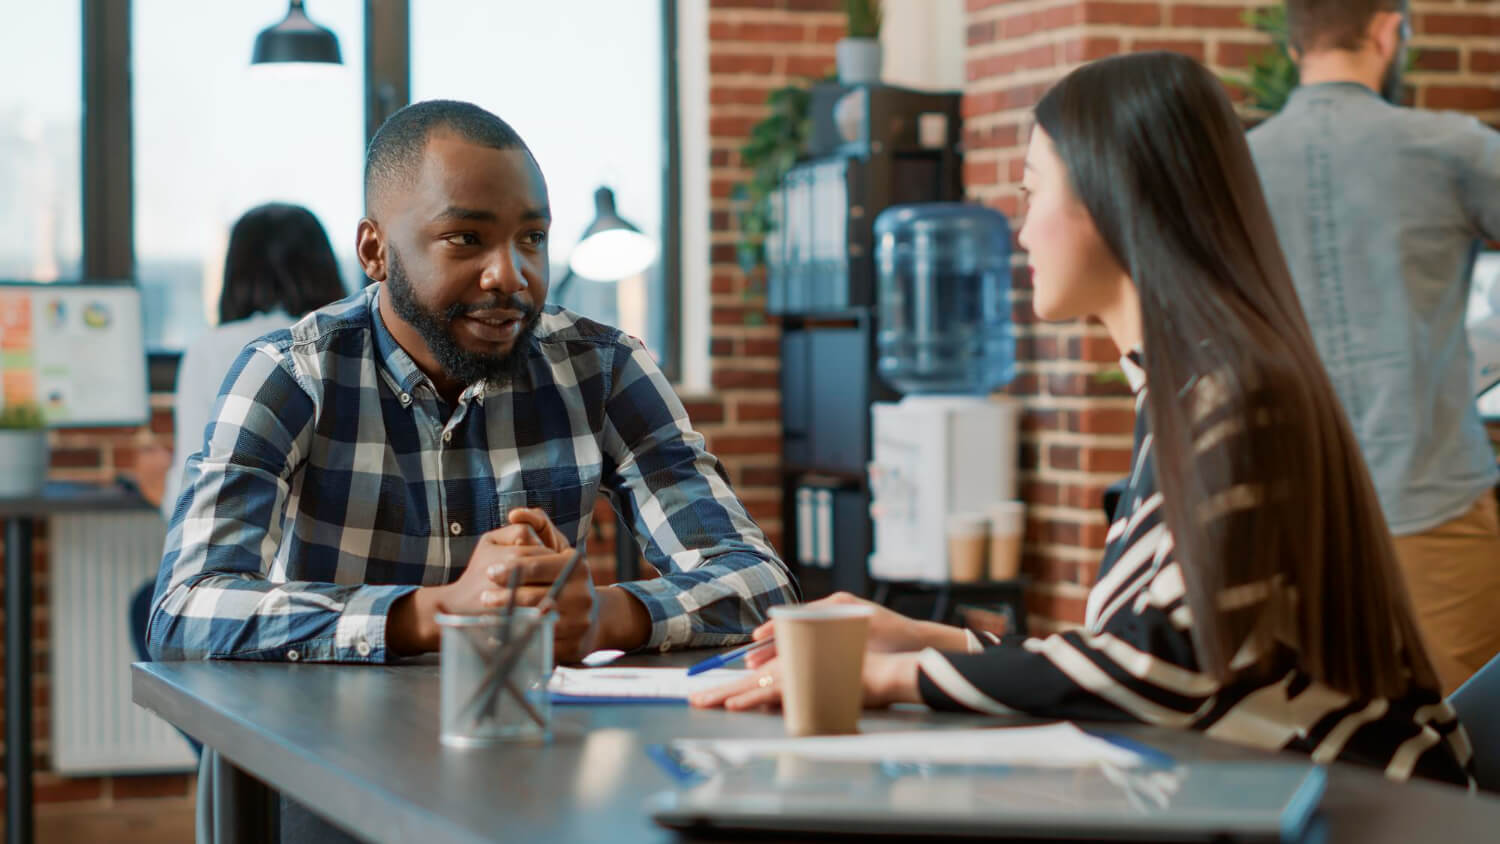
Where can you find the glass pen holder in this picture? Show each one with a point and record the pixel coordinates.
(494, 671)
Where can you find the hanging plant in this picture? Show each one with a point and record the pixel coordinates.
(772, 148)
(1273, 74)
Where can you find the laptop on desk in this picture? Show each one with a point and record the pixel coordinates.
(1270, 801)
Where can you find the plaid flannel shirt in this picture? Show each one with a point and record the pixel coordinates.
(333, 480)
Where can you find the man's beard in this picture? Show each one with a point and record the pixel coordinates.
(436, 330)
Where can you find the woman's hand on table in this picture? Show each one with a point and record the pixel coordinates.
(888, 678)
(890, 632)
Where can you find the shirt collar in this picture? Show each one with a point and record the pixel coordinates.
(1134, 367)
(397, 363)
(1323, 89)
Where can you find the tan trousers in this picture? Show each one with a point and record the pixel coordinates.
(1453, 574)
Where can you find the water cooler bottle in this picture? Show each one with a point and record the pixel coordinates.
(945, 341)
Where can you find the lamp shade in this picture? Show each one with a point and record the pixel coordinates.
(296, 39)
(611, 248)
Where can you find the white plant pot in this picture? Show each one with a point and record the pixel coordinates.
(23, 463)
(859, 61)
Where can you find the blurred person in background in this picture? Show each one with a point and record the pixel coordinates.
(1381, 211)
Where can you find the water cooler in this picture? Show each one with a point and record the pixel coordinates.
(944, 339)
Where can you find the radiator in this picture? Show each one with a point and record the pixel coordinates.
(98, 561)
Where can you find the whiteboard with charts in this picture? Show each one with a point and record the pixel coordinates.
(75, 351)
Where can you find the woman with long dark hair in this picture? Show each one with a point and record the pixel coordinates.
(1249, 587)
(279, 266)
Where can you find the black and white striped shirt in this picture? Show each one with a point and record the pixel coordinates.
(1134, 659)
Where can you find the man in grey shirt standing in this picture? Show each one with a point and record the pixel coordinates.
(1381, 211)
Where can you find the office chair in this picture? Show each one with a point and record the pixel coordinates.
(1477, 702)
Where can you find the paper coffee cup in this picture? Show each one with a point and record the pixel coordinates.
(822, 655)
(968, 536)
(1007, 532)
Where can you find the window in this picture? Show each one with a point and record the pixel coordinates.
(41, 233)
(215, 136)
(582, 82)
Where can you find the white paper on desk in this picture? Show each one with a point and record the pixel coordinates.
(1047, 746)
(664, 683)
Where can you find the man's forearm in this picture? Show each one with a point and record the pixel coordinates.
(624, 622)
(411, 627)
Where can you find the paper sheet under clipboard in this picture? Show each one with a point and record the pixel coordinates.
(634, 685)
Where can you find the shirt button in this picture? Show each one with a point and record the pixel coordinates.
(293, 656)
(455, 528)
(363, 648)
(406, 399)
(447, 436)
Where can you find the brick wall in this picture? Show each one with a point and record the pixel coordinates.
(754, 47)
(1077, 427)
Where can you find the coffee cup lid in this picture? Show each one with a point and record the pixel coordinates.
(807, 612)
(967, 522)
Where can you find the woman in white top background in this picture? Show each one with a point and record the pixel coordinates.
(279, 266)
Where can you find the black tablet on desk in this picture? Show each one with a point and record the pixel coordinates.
(1270, 801)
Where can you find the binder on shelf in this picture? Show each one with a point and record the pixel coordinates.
(806, 546)
(823, 505)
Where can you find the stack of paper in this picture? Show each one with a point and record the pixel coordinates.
(634, 685)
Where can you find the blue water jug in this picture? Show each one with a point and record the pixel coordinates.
(943, 300)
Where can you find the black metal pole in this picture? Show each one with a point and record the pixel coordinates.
(18, 816)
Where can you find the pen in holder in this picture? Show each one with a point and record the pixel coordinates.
(494, 672)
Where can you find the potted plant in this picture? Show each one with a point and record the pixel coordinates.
(859, 54)
(23, 450)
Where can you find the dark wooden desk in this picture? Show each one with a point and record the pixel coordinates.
(359, 745)
(19, 514)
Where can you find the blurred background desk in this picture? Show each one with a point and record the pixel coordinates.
(20, 515)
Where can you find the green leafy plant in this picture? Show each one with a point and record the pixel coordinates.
(773, 147)
(22, 416)
(1273, 73)
(864, 18)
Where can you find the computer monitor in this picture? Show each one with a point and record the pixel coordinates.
(76, 350)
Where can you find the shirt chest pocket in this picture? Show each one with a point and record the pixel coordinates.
(570, 507)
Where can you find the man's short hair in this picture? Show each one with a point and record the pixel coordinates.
(395, 152)
(1333, 24)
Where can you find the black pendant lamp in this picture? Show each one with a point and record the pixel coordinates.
(296, 39)
(611, 248)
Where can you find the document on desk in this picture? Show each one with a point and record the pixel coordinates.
(634, 685)
(1048, 746)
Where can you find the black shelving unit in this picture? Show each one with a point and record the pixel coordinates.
(895, 146)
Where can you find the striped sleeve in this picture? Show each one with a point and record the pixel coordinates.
(1143, 671)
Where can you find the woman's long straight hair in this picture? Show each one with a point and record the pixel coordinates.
(1156, 154)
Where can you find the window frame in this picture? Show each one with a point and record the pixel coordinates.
(107, 177)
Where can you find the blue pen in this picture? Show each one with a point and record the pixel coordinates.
(724, 659)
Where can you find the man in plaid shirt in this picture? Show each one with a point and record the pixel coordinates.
(399, 453)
